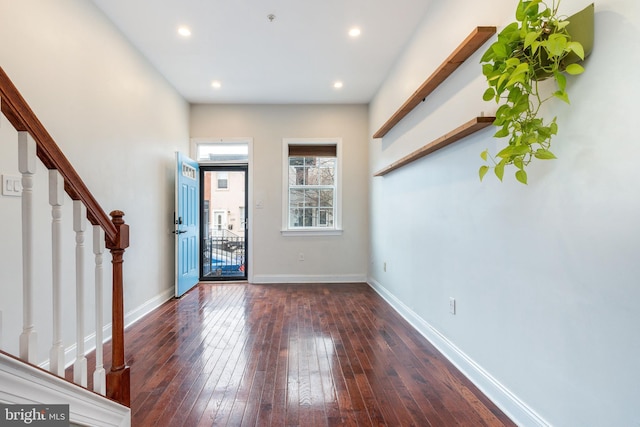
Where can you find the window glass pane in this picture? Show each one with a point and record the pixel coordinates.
(322, 218)
(311, 197)
(326, 198)
(296, 198)
(296, 175)
(327, 171)
(326, 177)
(325, 218)
(292, 176)
(300, 176)
(296, 171)
(311, 175)
(309, 215)
(295, 218)
(326, 162)
(222, 152)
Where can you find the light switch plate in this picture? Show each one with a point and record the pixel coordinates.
(11, 185)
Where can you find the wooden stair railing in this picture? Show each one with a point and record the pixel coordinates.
(116, 233)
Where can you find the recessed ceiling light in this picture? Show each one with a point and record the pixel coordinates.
(216, 84)
(338, 85)
(354, 32)
(184, 31)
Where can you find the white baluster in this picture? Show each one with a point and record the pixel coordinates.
(56, 198)
(99, 375)
(27, 167)
(79, 225)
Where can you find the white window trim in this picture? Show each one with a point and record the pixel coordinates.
(336, 230)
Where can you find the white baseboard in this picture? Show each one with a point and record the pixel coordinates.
(23, 384)
(129, 319)
(318, 278)
(509, 403)
(138, 313)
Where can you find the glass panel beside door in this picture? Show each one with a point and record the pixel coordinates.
(224, 222)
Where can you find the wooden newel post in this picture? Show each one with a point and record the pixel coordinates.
(118, 377)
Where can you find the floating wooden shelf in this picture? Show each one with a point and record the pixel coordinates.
(472, 43)
(466, 129)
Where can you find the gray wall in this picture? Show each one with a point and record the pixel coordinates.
(546, 275)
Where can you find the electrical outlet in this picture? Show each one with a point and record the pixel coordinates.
(301, 256)
(452, 305)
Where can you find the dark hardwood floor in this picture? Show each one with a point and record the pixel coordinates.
(293, 355)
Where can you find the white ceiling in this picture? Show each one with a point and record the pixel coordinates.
(296, 58)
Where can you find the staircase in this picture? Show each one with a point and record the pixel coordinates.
(21, 380)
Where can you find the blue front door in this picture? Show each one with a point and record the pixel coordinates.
(186, 224)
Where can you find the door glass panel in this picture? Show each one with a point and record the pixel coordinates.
(223, 223)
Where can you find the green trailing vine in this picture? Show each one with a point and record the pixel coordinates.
(533, 48)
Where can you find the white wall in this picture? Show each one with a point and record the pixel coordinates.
(545, 276)
(119, 123)
(275, 258)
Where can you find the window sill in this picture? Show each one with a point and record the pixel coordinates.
(312, 232)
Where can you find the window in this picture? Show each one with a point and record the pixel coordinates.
(222, 179)
(312, 186)
(232, 151)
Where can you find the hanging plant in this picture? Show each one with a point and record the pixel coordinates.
(536, 47)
